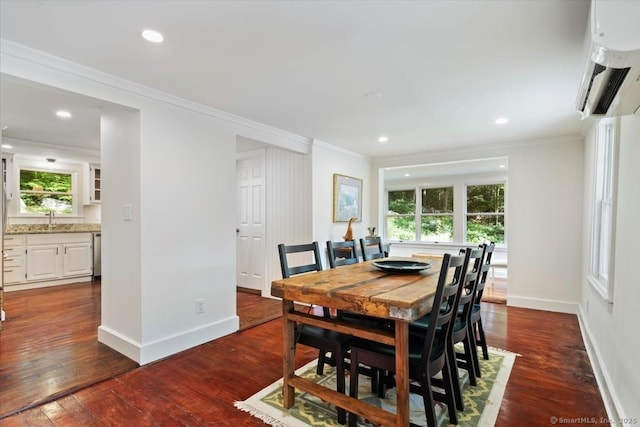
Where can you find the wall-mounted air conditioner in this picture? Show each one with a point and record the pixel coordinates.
(610, 84)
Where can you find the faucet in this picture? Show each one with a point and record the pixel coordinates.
(51, 215)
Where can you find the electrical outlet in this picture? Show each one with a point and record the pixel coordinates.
(200, 305)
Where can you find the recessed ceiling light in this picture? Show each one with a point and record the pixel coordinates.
(502, 166)
(4, 127)
(383, 138)
(63, 114)
(7, 146)
(372, 96)
(502, 121)
(152, 36)
(407, 174)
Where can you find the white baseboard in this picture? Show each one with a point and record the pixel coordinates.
(543, 304)
(46, 284)
(150, 352)
(119, 343)
(609, 397)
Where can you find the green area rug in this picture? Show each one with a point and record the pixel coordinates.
(481, 402)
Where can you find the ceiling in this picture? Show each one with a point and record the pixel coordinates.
(438, 73)
(28, 111)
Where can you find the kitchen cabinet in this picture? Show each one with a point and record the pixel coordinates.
(43, 262)
(95, 183)
(13, 268)
(58, 256)
(47, 259)
(77, 259)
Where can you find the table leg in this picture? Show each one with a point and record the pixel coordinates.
(289, 351)
(402, 373)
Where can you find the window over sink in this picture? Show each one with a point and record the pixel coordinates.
(44, 191)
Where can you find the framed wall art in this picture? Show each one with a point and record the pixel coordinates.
(347, 198)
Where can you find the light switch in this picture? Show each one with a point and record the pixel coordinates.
(126, 212)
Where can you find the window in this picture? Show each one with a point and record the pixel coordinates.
(485, 213)
(43, 191)
(603, 202)
(436, 221)
(440, 214)
(401, 215)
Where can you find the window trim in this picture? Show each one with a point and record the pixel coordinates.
(466, 213)
(459, 214)
(604, 189)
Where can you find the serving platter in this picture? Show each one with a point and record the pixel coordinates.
(401, 266)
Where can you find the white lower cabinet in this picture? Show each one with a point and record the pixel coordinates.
(43, 262)
(14, 248)
(77, 259)
(58, 256)
(37, 260)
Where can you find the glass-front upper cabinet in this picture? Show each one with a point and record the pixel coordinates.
(95, 192)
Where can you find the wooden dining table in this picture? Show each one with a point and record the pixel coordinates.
(365, 289)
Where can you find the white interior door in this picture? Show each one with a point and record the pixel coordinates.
(251, 216)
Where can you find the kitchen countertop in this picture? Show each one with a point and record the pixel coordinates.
(58, 228)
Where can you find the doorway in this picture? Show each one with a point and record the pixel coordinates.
(250, 230)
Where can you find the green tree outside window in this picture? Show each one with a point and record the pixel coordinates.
(401, 223)
(437, 215)
(485, 213)
(44, 191)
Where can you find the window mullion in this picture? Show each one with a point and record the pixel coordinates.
(418, 212)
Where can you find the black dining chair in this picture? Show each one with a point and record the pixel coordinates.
(427, 348)
(457, 332)
(371, 248)
(326, 341)
(341, 253)
(467, 359)
(476, 312)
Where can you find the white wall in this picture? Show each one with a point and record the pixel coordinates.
(612, 328)
(121, 326)
(544, 204)
(328, 160)
(187, 219)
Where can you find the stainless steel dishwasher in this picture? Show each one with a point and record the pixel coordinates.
(97, 255)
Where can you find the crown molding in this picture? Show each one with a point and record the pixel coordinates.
(325, 145)
(10, 50)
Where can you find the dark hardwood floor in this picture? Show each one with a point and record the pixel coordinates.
(48, 345)
(552, 378)
(495, 291)
(254, 310)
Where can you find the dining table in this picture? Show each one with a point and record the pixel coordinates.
(372, 288)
